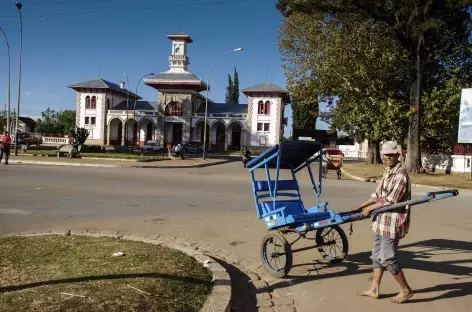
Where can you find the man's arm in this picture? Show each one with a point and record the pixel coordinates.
(394, 196)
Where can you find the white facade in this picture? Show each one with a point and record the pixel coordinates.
(178, 115)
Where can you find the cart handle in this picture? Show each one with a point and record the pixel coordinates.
(431, 196)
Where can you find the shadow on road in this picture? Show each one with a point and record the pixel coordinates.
(416, 260)
(243, 292)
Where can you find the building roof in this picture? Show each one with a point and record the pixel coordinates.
(168, 79)
(102, 84)
(265, 87)
(223, 108)
(140, 105)
(27, 121)
(180, 36)
(166, 76)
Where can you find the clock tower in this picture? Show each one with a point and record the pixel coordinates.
(178, 60)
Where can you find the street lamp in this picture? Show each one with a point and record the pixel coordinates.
(206, 102)
(19, 5)
(9, 71)
(127, 108)
(136, 94)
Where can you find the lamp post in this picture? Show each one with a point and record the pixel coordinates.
(127, 108)
(19, 5)
(9, 72)
(136, 94)
(206, 101)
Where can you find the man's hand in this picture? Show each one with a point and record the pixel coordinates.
(366, 212)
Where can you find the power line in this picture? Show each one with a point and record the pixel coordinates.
(142, 9)
(68, 2)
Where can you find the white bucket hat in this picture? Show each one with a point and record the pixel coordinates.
(390, 147)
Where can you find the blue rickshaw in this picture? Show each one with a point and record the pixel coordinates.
(279, 204)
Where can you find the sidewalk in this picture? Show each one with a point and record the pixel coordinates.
(115, 163)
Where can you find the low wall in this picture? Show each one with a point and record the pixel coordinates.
(453, 163)
(55, 141)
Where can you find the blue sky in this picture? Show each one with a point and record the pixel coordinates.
(62, 46)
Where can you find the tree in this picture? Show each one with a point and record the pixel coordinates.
(229, 90)
(426, 30)
(441, 117)
(348, 65)
(232, 89)
(56, 122)
(235, 93)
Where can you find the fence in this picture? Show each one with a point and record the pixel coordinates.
(354, 154)
(462, 149)
(55, 140)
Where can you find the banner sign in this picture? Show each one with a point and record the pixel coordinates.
(465, 117)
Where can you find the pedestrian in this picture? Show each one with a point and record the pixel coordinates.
(178, 151)
(5, 147)
(246, 156)
(390, 226)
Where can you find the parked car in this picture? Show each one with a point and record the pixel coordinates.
(151, 146)
(29, 138)
(195, 147)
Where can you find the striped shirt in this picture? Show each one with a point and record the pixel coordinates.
(395, 187)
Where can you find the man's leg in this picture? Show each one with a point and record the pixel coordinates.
(7, 155)
(389, 261)
(373, 292)
(1, 154)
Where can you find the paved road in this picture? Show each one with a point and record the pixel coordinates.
(214, 205)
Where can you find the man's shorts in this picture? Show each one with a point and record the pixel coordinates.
(384, 251)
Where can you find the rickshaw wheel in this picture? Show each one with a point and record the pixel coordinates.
(332, 243)
(276, 255)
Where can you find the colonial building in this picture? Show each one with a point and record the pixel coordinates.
(116, 116)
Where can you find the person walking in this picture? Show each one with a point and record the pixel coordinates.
(390, 226)
(5, 147)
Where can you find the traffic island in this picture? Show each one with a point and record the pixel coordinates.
(84, 273)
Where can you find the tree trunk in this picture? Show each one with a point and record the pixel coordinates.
(401, 142)
(413, 159)
(373, 153)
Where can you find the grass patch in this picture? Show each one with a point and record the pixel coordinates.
(438, 178)
(36, 270)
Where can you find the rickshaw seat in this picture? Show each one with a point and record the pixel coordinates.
(308, 217)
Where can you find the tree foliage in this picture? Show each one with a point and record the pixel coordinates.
(232, 89)
(54, 122)
(428, 33)
(3, 120)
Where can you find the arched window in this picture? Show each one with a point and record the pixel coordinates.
(108, 103)
(174, 109)
(267, 108)
(94, 102)
(87, 102)
(263, 108)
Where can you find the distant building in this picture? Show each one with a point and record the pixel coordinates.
(26, 124)
(116, 116)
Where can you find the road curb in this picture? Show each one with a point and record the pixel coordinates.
(219, 299)
(413, 184)
(178, 167)
(60, 163)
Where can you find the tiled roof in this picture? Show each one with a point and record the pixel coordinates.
(223, 108)
(102, 84)
(174, 77)
(140, 105)
(27, 121)
(265, 87)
